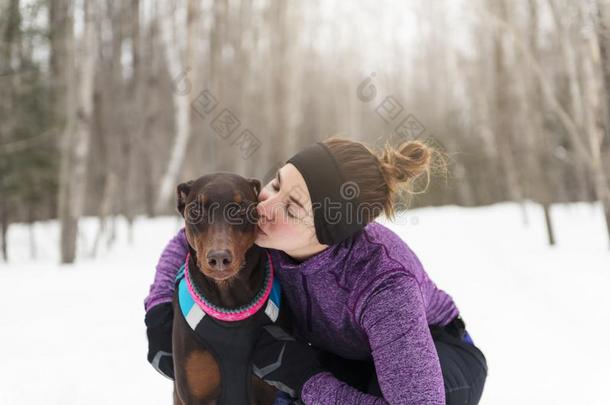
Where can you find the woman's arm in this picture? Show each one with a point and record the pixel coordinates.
(172, 257)
(406, 361)
(158, 305)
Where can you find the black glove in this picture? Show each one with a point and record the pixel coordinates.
(284, 362)
(159, 320)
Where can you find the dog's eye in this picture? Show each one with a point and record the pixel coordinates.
(195, 213)
(235, 210)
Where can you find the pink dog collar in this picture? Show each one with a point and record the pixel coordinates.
(237, 314)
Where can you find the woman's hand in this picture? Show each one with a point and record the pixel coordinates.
(159, 321)
(284, 362)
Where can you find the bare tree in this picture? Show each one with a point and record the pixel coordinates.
(177, 36)
(76, 138)
(9, 42)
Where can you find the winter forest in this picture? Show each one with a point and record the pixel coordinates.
(106, 105)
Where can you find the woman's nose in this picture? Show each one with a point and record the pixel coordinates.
(263, 194)
(262, 206)
(267, 205)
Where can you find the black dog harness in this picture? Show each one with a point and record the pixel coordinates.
(230, 335)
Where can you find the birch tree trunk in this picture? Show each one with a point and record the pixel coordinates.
(603, 32)
(504, 102)
(536, 136)
(176, 34)
(76, 137)
(595, 128)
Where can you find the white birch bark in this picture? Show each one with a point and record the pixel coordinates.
(176, 32)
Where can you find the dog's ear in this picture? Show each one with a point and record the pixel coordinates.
(256, 186)
(182, 192)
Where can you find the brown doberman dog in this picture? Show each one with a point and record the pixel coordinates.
(229, 272)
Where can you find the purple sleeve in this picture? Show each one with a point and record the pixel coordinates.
(408, 370)
(172, 257)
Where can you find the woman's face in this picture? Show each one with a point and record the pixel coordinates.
(285, 215)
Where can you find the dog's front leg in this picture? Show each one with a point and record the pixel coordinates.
(196, 372)
(177, 400)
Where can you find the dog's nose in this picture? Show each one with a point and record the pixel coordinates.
(219, 259)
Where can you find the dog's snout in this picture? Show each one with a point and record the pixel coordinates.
(219, 259)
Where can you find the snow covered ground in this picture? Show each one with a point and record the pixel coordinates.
(75, 334)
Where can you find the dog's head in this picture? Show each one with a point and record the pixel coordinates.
(220, 218)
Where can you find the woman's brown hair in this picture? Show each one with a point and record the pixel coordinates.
(381, 176)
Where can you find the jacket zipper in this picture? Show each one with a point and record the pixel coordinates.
(308, 298)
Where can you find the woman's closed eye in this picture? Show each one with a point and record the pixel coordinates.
(276, 187)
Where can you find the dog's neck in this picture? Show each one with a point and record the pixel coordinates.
(240, 289)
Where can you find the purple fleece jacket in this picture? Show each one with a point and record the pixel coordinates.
(366, 297)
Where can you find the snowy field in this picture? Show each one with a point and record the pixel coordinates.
(75, 334)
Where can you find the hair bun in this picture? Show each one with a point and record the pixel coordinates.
(405, 163)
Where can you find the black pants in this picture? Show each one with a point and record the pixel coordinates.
(463, 365)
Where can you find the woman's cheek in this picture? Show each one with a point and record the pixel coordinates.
(285, 235)
(280, 230)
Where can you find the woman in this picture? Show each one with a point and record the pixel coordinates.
(356, 289)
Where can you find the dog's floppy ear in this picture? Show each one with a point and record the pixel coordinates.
(182, 192)
(256, 186)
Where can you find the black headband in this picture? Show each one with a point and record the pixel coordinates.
(334, 201)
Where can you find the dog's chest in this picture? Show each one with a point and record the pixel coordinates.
(230, 343)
